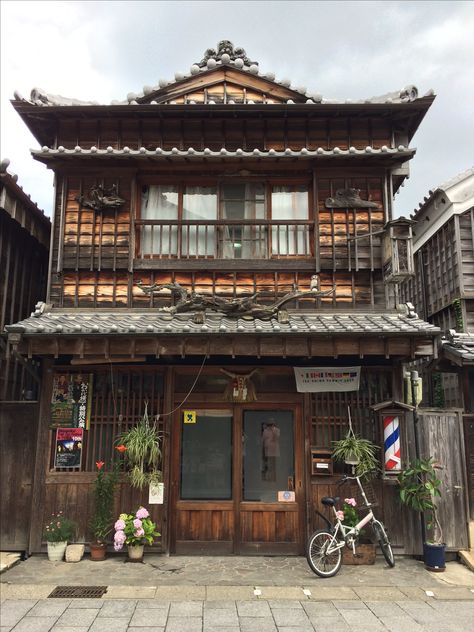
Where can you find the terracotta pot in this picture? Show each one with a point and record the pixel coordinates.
(135, 552)
(365, 554)
(56, 551)
(98, 551)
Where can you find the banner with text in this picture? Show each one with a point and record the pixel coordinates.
(327, 379)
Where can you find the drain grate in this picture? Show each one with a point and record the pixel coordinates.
(78, 592)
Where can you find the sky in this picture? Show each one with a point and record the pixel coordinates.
(100, 51)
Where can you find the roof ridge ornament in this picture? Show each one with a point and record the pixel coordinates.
(225, 53)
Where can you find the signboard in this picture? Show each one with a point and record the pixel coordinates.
(156, 493)
(68, 452)
(327, 379)
(189, 416)
(286, 497)
(71, 400)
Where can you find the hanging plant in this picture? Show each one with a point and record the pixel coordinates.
(141, 447)
(458, 315)
(358, 452)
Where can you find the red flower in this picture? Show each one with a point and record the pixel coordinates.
(121, 448)
(99, 464)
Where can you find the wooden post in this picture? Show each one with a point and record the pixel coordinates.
(168, 406)
(41, 459)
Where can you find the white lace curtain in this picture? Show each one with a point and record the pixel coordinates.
(199, 204)
(290, 203)
(160, 202)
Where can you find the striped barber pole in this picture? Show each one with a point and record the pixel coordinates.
(391, 443)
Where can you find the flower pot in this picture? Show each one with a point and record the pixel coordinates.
(135, 552)
(98, 551)
(434, 557)
(56, 551)
(365, 554)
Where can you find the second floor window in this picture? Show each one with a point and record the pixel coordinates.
(233, 221)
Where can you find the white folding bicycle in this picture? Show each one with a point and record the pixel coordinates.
(324, 548)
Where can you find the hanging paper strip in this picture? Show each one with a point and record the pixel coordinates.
(391, 439)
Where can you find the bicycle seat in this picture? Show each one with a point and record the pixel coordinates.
(330, 501)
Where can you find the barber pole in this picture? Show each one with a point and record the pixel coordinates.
(391, 439)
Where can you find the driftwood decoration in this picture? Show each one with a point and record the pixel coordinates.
(101, 199)
(240, 388)
(245, 307)
(348, 198)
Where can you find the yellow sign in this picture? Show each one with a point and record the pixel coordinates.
(189, 416)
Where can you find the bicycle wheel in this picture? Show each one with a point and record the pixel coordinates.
(320, 561)
(383, 540)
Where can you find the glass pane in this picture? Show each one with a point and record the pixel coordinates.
(290, 202)
(246, 202)
(268, 454)
(199, 204)
(206, 457)
(160, 202)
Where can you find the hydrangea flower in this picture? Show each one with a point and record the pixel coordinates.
(139, 532)
(119, 525)
(142, 513)
(137, 523)
(340, 515)
(350, 501)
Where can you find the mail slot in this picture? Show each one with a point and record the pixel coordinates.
(321, 462)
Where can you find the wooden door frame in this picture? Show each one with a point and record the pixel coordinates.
(238, 409)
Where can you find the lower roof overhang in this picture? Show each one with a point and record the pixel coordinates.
(133, 336)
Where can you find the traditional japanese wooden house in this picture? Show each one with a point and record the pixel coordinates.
(24, 246)
(210, 235)
(443, 293)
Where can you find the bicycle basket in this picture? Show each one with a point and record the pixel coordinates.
(369, 492)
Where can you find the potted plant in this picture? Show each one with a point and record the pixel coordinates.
(419, 488)
(141, 447)
(365, 549)
(135, 530)
(57, 533)
(102, 519)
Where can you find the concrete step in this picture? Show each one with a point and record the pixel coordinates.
(471, 534)
(467, 558)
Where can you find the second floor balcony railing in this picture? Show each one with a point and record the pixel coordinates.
(223, 239)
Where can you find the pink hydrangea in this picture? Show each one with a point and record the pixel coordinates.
(340, 515)
(137, 523)
(119, 540)
(142, 513)
(119, 525)
(350, 501)
(139, 532)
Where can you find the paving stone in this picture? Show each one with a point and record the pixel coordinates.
(35, 624)
(152, 603)
(62, 628)
(219, 604)
(220, 617)
(414, 592)
(287, 605)
(180, 593)
(149, 617)
(350, 605)
(117, 608)
(230, 628)
(49, 608)
(257, 625)
(334, 624)
(461, 593)
(300, 628)
(319, 609)
(361, 617)
(186, 609)
(78, 617)
(85, 603)
(401, 624)
(385, 608)
(26, 591)
(282, 592)
(184, 624)
(332, 593)
(132, 592)
(5, 628)
(14, 609)
(253, 609)
(114, 624)
(290, 617)
(233, 593)
(369, 593)
(148, 629)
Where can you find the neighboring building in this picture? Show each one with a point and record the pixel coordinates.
(24, 247)
(211, 234)
(443, 294)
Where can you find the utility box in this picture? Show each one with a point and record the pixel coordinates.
(321, 462)
(397, 249)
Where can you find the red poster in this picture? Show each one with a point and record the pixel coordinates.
(69, 442)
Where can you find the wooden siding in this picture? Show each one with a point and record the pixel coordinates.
(278, 132)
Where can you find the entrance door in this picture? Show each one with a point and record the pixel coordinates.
(237, 481)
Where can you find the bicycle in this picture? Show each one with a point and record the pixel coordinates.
(324, 547)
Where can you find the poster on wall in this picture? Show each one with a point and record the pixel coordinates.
(327, 379)
(68, 451)
(71, 400)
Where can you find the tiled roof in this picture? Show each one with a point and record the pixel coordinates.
(155, 322)
(444, 186)
(190, 153)
(460, 347)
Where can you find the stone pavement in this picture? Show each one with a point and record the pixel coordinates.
(236, 594)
